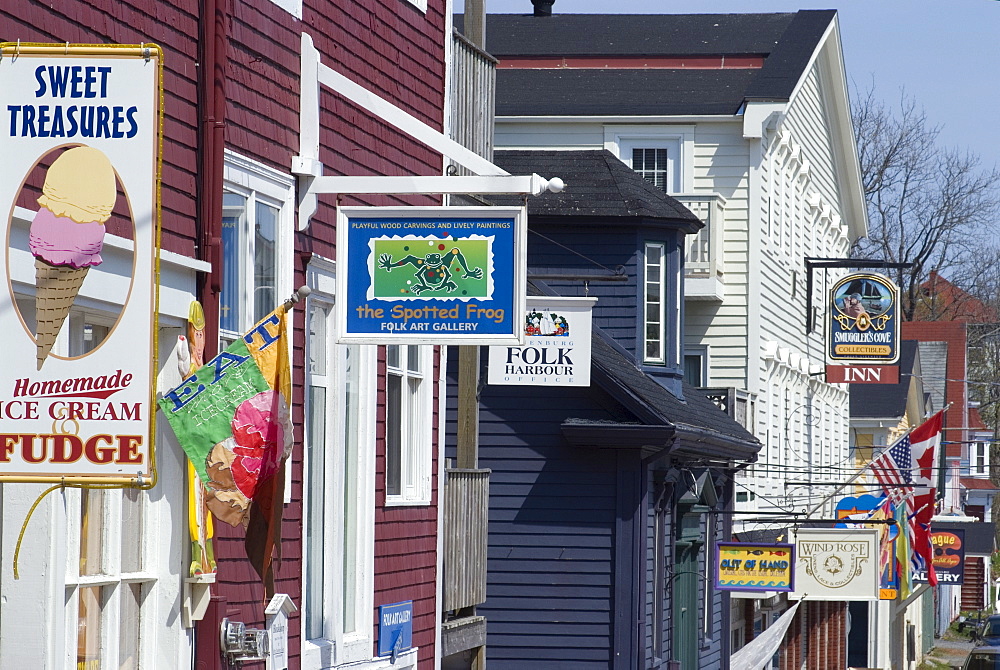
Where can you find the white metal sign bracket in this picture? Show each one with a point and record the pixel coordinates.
(309, 170)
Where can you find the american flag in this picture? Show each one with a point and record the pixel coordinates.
(905, 471)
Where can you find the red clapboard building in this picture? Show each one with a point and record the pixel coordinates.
(360, 514)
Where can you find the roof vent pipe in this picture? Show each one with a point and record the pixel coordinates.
(543, 7)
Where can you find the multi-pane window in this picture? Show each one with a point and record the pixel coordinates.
(106, 587)
(340, 493)
(652, 165)
(256, 228)
(654, 304)
(407, 427)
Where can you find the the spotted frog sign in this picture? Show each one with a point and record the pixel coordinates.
(431, 275)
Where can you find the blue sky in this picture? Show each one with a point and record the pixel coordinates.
(943, 53)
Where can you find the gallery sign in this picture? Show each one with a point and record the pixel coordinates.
(743, 566)
(80, 139)
(430, 275)
(836, 564)
(395, 628)
(863, 324)
(949, 558)
(556, 350)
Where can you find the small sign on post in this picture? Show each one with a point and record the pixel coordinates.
(276, 623)
(395, 628)
(745, 566)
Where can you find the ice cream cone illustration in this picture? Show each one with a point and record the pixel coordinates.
(67, 235)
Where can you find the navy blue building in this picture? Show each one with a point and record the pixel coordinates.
(606, 501)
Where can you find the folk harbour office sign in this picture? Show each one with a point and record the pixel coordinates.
(556, 351)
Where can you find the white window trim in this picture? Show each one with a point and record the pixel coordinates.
(661, 359)
(335, 646)
(293, 7)
(249, 177)
(415, 468)
(974, 449)
(702, 352)
(678, 140)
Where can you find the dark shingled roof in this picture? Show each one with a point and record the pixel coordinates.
(786, 41)
(564, 92)
(886, 400)
(597, 185)
(695, 411)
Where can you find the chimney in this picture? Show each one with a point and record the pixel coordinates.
(543, 7)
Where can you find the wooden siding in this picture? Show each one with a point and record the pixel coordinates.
(552, 520)
(796, 411)
(466, 510)
(619, 304)
(174, 27)
(406, 538)
(386, 45)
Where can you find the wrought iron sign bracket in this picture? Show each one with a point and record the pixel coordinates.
(850, 263)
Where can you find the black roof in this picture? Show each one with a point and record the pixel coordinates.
(886, 400)
(560, 92)
(695, 414)
(597, 185)
(786, 41)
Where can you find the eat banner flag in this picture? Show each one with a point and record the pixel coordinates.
(232, 419)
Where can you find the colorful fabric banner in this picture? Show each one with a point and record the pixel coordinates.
(231, 417)
(906, 472)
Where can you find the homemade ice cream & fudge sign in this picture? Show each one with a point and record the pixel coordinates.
(80, 135)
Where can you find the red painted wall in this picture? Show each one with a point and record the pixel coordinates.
(387, 46)
(173, 26)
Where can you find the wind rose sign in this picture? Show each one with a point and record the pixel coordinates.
(80, 139)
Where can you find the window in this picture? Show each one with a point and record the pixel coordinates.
(979, 458)
(340, 493)
(655, 304)
(407, 430)
(652, 165)
(256, 230)
(661, 154)
(106, 587)
(695, 367)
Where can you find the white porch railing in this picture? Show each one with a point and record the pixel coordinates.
(702, 251)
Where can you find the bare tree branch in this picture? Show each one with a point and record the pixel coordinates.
(928, 206)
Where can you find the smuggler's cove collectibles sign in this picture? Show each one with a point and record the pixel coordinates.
(836, 564)
(80, 139)
(863, 324)
(430, 275)
(556, 349)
